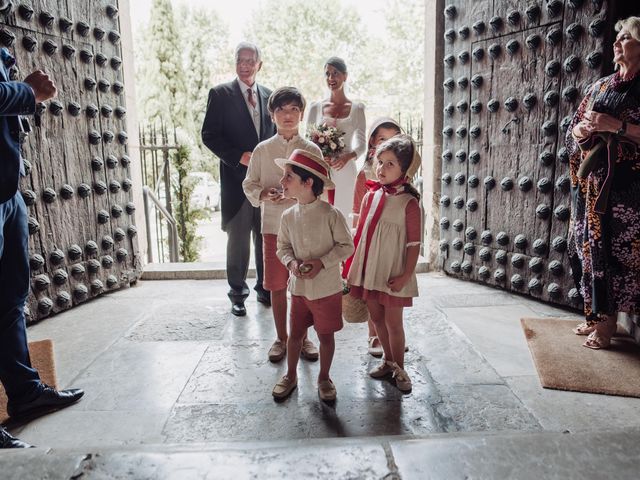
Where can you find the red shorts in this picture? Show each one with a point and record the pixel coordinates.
(325, 314)
(276, 274)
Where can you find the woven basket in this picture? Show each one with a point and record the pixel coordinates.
(354, 310)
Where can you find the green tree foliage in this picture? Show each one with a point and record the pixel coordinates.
(297, 36)
(205, 52)
(160, 73)
(405, 68)
(186, 216)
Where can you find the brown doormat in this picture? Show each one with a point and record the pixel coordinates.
(41, 353)
(564, 364)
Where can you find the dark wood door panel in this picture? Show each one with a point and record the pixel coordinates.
(83, 238)
(514, 74)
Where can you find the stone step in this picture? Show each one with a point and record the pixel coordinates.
(544, 455)
(211, 270)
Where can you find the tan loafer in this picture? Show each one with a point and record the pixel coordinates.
(403, 382)
(309, 350)
(284, 387)
(326, 390)
(277, 351)
(382, 370)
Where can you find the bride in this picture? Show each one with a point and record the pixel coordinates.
(348, 117)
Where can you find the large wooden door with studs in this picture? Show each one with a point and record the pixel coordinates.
(78, 189)
(515, 72)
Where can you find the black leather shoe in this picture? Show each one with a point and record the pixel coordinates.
(238, 309)
(264, 298)
(48, 401)
(9, 441)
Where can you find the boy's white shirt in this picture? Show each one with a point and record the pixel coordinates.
(264, 173)
(315, 231)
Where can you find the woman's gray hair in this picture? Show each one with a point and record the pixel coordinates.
(632, 24)
(247, 46)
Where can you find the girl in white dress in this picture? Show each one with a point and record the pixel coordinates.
(382, 269)
(347, 116)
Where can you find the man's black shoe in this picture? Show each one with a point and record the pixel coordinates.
(9, 441)
(238, 309)
(48, 401)
(264, 298)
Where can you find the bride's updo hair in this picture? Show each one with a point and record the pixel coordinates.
(337, 63)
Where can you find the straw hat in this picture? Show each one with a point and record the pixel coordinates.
(311, 163)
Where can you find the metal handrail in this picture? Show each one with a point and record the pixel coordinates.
(173, 237)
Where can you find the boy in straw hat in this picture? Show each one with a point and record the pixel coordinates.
(313, 240)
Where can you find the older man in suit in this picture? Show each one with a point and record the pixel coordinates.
(28, 396)
(235, 122)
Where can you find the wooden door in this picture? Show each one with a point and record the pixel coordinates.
(78, 189)
(515, 71)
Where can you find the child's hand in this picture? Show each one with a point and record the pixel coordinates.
(397, 283)
(294, 268)
(310, 268)
(271, 195)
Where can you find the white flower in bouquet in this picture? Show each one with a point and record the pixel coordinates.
(328, 138)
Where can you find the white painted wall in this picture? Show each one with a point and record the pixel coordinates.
(132, 123)
(432, 148)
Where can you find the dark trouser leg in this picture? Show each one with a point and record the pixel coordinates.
(238, 252)
(19, 379)
(257, 249)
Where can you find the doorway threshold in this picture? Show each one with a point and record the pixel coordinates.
(212, 270)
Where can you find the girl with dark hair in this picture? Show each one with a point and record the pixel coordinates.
(382, 269)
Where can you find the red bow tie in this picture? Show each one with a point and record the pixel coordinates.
(390, 188)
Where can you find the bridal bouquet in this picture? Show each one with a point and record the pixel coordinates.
(328, 138)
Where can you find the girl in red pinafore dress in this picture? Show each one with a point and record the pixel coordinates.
(382, 269)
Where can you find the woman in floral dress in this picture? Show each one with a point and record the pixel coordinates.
(604, 235)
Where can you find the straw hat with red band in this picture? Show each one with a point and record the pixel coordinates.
(309, 162)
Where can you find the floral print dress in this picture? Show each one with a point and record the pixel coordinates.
(604, 248)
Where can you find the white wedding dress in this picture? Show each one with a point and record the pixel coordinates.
(354, 127)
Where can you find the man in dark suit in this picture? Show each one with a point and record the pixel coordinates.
(27, 396)
(236, 121)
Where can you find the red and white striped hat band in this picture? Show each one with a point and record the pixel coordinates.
(299, 157)
(310, 162)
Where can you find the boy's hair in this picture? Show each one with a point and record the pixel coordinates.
(285, 96)
(318, 184)
(403, 149)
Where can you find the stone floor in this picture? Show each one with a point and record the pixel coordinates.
(171, 376)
